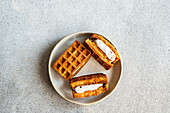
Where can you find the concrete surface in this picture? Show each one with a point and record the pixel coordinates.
(30, 28)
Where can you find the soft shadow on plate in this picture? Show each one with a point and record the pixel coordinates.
(43, 71)
(44, 76)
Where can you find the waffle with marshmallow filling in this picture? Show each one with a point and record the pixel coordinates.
(102, 50)
(89, 85)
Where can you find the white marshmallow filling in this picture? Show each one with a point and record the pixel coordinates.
(109, 53)
(82, 89)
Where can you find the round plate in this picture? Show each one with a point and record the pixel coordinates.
(63, 87)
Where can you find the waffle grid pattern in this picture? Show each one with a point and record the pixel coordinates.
(72, 60)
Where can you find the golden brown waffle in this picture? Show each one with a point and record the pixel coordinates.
(98, 78)
(98, 54)
(71, 62)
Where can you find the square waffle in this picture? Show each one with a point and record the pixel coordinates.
(98, 54)
(71, 62)
(98, 78)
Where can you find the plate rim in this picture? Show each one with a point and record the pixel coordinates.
(79, 103)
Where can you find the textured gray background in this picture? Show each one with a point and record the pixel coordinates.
(31, 28)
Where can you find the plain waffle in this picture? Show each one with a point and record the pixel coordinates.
(71, 62)
(98, 78)
(98, 54)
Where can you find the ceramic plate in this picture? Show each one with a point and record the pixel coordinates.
(62, 86)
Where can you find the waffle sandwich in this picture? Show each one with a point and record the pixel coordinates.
(89, 85)
(71, 62)
(102, 50)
